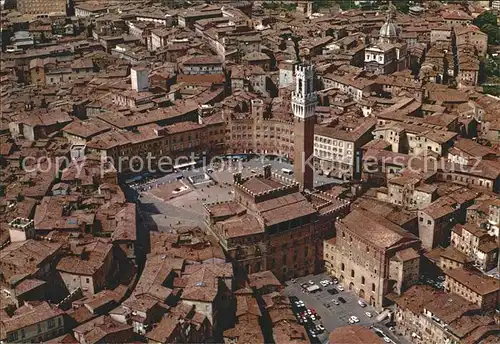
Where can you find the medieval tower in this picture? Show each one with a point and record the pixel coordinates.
(304, 101)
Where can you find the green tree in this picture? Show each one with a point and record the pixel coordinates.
(492, 67)
(487, 17)
(487, 23)
(493, 33)
(270, 5)
(494, 90)
(402, 6)
(344, 4)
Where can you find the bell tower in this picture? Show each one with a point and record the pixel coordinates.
(304, 101)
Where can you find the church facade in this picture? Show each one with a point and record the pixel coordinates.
(389, 54)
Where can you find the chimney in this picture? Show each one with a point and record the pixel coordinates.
(267, 172)
(139, 78)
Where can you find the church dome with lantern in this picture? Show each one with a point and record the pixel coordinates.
(389, 32)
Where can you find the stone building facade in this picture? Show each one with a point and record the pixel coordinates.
(272, 225)
(473, 286)
(373, 263)
(428, 316)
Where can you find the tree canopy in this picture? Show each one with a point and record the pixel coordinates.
(487, 23)
(487, 17)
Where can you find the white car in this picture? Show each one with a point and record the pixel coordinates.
(325, 282)
(354, 318)
(368, 314)
(387, 340)
(340, 288)
(311, 282)
(300, 304)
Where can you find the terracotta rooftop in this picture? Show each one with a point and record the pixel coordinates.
(25, 257)
(240, 226)
(354, 334)
(97, 329)
(477, 282)
(257, 184)
(94, 254)
(262, 279)
(383, 233)
(29, 315)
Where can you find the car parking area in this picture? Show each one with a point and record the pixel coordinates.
(334, 307)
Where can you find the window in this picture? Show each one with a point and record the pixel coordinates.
(51, 323)
(363, 280)
(87, 280)
(373, 286)
(352, 273)
(343, 267)
(12, 336)
(429, 222)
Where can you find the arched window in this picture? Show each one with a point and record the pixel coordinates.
(363, 280)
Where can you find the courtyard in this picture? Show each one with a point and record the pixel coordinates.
(174, 200)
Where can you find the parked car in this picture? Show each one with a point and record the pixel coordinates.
(368, 314)
(332, 291)
(311, 282)
(312, 333)
(336, 302)
(335, 280)
(362, 303)
(341, 299)
(299, 304)
(387, 339)
(340, 288)
(325, 283)
(354, 318)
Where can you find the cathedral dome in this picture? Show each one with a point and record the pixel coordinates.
(388, 30)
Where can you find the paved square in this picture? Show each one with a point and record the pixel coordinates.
(336, 315)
